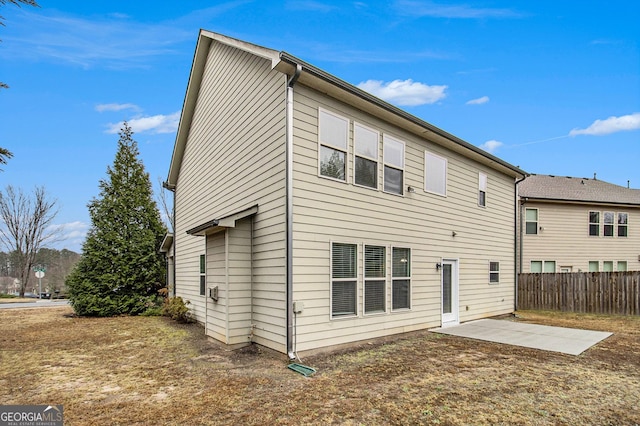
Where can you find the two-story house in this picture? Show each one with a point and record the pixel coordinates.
(570, 224)
(309, 213)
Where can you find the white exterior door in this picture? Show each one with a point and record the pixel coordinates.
(450, 292)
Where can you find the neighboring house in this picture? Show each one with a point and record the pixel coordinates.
(577, 225)
(309, 213)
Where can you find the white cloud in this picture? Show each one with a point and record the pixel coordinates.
(479, 101)
(72, 235)
(154, 124)
(404, 92)
(116, 107)
(610, 125)
(491, 146)
(451, 11)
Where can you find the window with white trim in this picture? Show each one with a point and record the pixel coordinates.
(365, 161)
(494, 272)
(594, 224)
(623, 225)
(435, 173)
(400, 278)
(375, 279)
(482, 189)
(203, 274)
(608, 224)
(547, 266)
(594, 266)
(531, 221)
(333, 132)
(607, 266)
(393, 153)
(344, 293)
(622, 265)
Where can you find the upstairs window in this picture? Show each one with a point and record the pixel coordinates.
(333, 133)
(607, 266)
(366, 156)
(374, 279)
(623, 223)
(401, 278)
(594, 224)
(393, 152)
(594, 266)
(482, 189)
(343, 280)
(622, 265)
(435, 174)
(531, 221)
(608, 224)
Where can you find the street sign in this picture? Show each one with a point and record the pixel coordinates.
(39, 274)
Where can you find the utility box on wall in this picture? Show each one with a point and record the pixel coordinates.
(213, 293)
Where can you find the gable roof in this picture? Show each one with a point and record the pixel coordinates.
(326, 83)
(572, 189)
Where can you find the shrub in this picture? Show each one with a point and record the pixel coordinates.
(176, 308)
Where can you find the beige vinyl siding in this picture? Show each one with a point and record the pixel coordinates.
(239, 126)
(216, 320)
(327, 211)
(564, 237)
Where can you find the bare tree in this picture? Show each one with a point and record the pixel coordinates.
(26, 226)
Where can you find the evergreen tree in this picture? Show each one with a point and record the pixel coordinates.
(120, 271)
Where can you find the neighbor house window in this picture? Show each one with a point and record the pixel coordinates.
(531, 221)
(366, 156)
(400, 278)
(594, 266)
(203, 274)
(623, 223)
(546, 266)
(594, 224)
(494, 272)
(482, 189)
(374, 279)
(333, 133)
(435, 173)
(607, 266)
(622, 265)
(608, 224)
(343, 279)
(393, 152)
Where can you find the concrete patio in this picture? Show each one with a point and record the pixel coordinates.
(570, 341)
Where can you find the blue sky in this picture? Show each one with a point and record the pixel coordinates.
(550, 86)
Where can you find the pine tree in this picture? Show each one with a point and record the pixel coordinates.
(120, 271)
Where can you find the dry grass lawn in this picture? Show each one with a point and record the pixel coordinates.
(152, 371)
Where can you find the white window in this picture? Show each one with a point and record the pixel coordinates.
(435, 173)
(547, 266)
(482, 189)
(608, 224)
(494, 272)
(607, 266)
(333, 132)
(594, 266)
(343, 280)
(400, 278)
(203, 274)
(375, 279)
(393, 152)
(366, 156)
(623, 223)
(594, 224)
(622, 265)
(531, 221)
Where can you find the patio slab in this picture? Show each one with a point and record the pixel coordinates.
(570, 341)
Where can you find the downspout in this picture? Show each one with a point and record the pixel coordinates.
(289, 210)
(517, 242)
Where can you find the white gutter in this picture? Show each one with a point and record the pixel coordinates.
(291, 350)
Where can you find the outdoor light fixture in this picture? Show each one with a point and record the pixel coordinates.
(411, 189)
(438, 266)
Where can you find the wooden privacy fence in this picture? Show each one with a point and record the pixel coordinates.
(591, 292)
